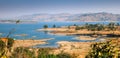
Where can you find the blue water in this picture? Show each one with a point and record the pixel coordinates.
(30, 30)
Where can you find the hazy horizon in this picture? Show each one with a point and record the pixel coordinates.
(12, 8)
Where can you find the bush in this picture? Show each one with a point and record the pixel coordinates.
(78, 28)
(63, 55)
(2, 45)
(54, 26)
(21, 52)
(45, 26)
(104, 50)
(10, 42)
(44, 53)
(2, 50)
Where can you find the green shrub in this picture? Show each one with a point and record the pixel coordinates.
(2, 50)
(2, 45)
(21, 52)
(54, 26)
(44, 53)
(104, 50)
(45, 26)
(63, 55)
(10, 42)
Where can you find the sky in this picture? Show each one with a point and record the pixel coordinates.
(12, 8)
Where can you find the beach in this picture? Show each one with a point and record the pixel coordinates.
(85, 38)
(78, 49)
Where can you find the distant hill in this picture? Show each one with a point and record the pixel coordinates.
(102, 16)
(97, 17)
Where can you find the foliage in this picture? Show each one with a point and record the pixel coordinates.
(79, 28)
(54, 26)
(74, 25)
(10, 42)
(94, 27)
(117, 24)
(47, 56)
(45, 26)
(100, 27)
(104, 50)
(63, 55)
(2, 45)
(111, 26)
(2, 49)
(44, 53)
(21, 52)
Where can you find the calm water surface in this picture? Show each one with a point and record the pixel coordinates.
(30, 30)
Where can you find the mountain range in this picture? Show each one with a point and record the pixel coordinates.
(102, 16)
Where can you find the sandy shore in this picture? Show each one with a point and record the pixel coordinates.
(53, 29)
(66, 31)
(78, 49)
(29, 42)
(85, 38)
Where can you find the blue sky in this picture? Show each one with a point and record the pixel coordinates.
(11, 8)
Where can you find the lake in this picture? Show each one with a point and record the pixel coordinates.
(30, 31)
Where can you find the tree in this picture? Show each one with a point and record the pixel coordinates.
(74, 25)
(54, 26)
(100, 27)
(18, 21)
(117, 24)
(111, 26)
(45, 26)
(86, 25)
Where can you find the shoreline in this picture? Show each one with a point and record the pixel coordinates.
(79, 49)
(29, 42)
(73, 48)
(66, 31)
(85, 38)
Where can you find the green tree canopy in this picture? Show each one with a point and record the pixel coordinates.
(45, 26)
